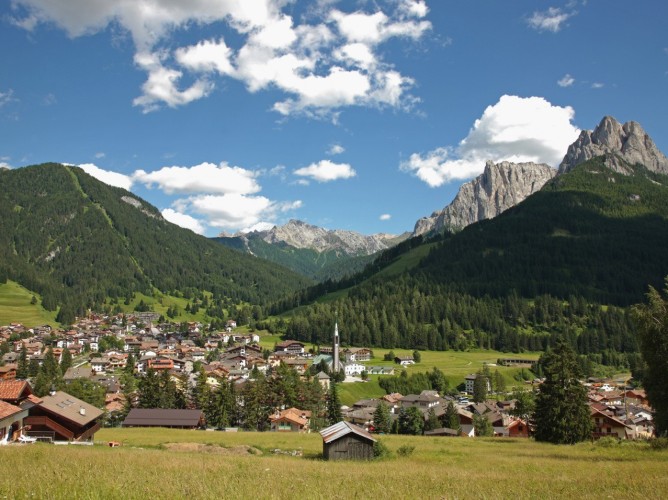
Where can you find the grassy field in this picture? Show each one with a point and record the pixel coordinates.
(15, 307)
(178, 464)
(349, 393)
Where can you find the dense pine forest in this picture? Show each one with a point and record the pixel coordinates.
(80, 243)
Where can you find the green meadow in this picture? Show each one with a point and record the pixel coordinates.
(16, 307)
(161, 463)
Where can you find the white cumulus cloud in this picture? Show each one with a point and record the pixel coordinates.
(327, 60)
(235, 211)
(326, 171)
(566, 81)
(335, 149)
(6, 97)
(549, 20)
(514, 129)
(108, 177)
(183, 220)
(202, 178)
(385, 217)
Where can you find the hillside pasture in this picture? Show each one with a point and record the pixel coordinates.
(15, 307)
(149, 465)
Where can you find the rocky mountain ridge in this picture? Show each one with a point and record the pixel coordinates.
(302, 235)
(504, 185)
(501, 186)
(610, 138)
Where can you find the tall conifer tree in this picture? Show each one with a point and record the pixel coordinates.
(562, 415)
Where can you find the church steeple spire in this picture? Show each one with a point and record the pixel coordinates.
(336, 365)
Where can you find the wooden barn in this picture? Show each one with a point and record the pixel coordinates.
(158, 417)
(346, 441)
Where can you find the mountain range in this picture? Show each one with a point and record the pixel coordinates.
(330, 254)
(311, 250)
(596, 228)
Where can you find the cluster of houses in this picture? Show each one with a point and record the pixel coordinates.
(620, 413)
(229, 356)
(430, 402)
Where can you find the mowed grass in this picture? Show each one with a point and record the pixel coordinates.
(438, 468)
(15, 307)
(349, 393)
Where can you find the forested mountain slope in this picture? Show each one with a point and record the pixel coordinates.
(590, 232)
(77, 241)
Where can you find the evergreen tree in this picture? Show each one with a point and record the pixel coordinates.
(130, 364)
(50, 366)
(42, 385)
(382, 419)
(411, 421)
(480, 385)
(201, 393)
(499, 382)
(451, 417)
(432, 420)
(65, 360)
(148, 390)
(22, 369)
(221, 412)
(33, 368)
(562, 415)
(333, 405)
(88, 390)
(652, 320)
(482, 426)
(525, 405)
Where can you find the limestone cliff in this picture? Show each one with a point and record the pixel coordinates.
(501, 186)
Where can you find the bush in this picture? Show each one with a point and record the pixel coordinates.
(607, 442)
(405, 450)
(659, 443)
(380, 451)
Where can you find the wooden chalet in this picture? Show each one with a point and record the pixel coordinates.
(8, 371)
(346, 441)
(11, 421)
(290, 420)
(605, 425)
(62, 417)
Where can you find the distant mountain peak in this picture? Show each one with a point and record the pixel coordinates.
(629, 142)
(300, 234)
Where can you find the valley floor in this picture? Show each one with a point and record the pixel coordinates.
(148, 466)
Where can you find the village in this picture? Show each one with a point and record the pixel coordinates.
(100, 349)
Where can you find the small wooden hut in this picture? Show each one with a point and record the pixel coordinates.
(346, 441)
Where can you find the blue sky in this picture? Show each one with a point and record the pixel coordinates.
(359, 115)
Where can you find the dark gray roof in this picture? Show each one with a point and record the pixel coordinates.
(337, 431)
(157, 417)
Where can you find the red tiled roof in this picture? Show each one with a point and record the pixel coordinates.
(7, 410)
(13, 389)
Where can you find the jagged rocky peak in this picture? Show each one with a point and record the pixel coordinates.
(500, 187)
(300, 234)
(629, 142)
